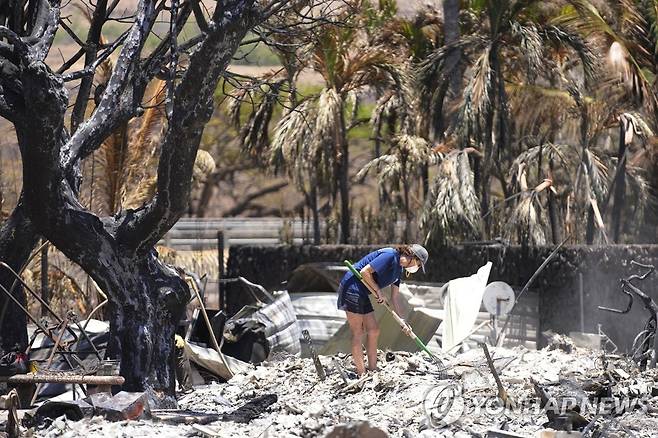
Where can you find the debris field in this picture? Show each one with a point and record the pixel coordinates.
(284, 397)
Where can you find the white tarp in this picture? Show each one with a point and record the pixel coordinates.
(211, 360)
(462, 305)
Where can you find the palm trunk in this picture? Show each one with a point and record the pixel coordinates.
(553, 215)
(343, 180)
(484, 174)
(313, 205)
(620, 184)
(407, 210)
(451, 31)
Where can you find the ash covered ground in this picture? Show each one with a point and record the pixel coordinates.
(401, 399)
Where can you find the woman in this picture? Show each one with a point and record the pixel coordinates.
(379, 269)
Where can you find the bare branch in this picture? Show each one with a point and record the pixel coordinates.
(20, 48)
(90, 134)
(71, 33)
(198, 16)
(69, 63)
(192, 108)
(45, 28)
(91, 53)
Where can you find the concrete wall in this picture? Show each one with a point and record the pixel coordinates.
(558, 285)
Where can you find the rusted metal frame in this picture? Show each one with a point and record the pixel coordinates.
(38, 298)
(13, 285)
(44, 330)
(88, 339)
(50, 359)
(20, 306)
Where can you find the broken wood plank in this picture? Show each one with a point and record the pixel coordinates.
(78, 379)
(184, 416)
(252, 409)
(356, 384)
(316, 360)
(340, 370)
(502, 394)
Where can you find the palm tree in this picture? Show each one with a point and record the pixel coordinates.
(503, 43)
(342, 53)
(452, 210)
(348, 64)
(626, 34)
(401, 165)
(293, 149)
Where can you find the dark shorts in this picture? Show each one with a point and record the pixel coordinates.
(351, 300)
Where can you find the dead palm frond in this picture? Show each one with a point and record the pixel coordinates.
(452, 210)
(254, 134)
(125, 164)
(629, 55)
(404, 160)
(561, 155)
(292, 145)
(527, 222)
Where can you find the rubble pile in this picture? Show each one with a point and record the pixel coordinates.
(405, 398)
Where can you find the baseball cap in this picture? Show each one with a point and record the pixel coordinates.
(421, 253)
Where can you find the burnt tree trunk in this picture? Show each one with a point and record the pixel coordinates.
(17, 240)
(148, 301)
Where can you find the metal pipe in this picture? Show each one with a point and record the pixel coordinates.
(213, 339)
(20, 306)
(95, 309)
(34, 294)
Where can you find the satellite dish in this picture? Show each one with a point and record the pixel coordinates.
(498, 298)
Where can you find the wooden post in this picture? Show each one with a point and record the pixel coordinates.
(581, 293)
(316, 360)
(220, 260)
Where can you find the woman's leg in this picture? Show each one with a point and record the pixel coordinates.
(372, 329)
(355, 320)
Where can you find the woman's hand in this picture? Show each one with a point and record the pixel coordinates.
(407, 329)
(379, 297)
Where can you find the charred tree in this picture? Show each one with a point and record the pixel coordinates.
(18, 239)
(146, 296)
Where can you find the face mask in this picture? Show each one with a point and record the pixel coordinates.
(412, 269)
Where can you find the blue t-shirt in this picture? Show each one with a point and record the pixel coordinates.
(386, 264)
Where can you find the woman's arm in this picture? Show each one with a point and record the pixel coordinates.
(395, 299)
(369, 280)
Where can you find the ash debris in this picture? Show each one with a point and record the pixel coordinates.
(548, 390)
